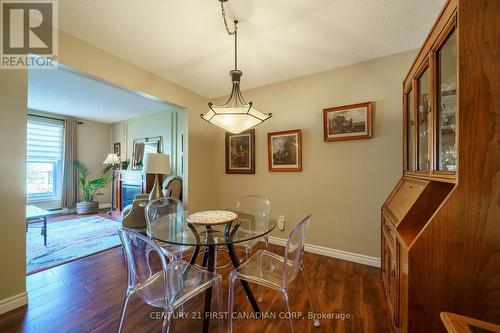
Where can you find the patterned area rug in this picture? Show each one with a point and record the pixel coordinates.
(69, 240)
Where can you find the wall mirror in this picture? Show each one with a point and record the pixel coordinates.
(143, 146)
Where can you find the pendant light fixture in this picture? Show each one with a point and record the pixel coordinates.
(235, 115)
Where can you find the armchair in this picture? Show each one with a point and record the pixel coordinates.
(133, 214)
(172, 187)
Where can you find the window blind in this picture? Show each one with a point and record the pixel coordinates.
(45, 140)
(44, 159)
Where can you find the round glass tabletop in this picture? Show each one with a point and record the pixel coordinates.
(175, 229)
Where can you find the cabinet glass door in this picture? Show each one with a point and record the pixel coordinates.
(423, 108)
(446, 102)
(410, 134)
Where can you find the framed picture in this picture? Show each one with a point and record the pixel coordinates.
(285, 151)
(240, 152)
(117, 149)
(348, 122)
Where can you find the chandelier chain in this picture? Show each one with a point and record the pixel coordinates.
(225, 21)
(231, 33)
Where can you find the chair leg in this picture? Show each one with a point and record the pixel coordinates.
(230, 302)
(218, 295)
(284, 295)
(310, 294)
(165, 328)
(124, 309)
(259, 287)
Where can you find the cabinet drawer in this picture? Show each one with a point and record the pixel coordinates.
(389, 233)
(404, 197)
(394, 289)
(391, 269)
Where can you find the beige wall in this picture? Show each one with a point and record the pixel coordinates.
(13, 111)
(344, 183)
(89, 59)
(162, 124)
(93, 146)
(13, 117)
(94, 142)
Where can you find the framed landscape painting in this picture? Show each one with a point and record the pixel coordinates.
(348, 122)
(240, 152)
(285, 151)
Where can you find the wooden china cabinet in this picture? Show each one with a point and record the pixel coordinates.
(441, 223)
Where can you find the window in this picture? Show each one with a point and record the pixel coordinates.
(44, 159)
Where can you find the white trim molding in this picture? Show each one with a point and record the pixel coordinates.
(13, 302)
(105, 205)
(339, 254)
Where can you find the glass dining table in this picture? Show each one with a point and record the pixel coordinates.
(175, 228)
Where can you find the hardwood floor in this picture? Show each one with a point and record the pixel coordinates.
(116, 215)
(86, 295)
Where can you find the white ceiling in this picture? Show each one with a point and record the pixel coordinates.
(185, 41)
(70, 93)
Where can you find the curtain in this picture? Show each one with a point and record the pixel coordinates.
(69, 191)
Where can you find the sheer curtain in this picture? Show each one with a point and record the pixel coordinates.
(69, 191)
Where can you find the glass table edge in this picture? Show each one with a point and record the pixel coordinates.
(215, 244)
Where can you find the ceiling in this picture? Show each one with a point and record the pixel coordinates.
(185, 41)
(64, 91)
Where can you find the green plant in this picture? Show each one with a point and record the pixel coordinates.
(91, 187)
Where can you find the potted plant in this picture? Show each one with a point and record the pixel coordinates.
(90, 188)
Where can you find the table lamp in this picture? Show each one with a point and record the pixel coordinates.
(114, 160)
(156, 164)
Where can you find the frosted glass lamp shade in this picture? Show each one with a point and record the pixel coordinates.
(158, 164)
(234, 119)
(236, 115)
(112, 159)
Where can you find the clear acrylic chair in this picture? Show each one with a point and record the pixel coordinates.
(155, 211)
(257, 208)
(161, 281)
(270, 270)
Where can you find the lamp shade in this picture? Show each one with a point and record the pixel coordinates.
(112, 159)
(158, 164)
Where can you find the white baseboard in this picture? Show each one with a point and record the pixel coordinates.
(339, 254)
(104, 205)
(13, 302)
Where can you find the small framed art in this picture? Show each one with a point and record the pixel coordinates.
(285, 151)
(348, 122)
(117, 149)
(240, 152)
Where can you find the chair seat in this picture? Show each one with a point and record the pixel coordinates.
(194, 281)
(176, 250)
(264, 267)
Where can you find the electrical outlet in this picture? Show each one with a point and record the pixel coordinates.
(281, 222)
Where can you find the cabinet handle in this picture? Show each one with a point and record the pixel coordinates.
(411, 122)
(393, 273)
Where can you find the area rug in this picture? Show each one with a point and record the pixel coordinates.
(69, 240)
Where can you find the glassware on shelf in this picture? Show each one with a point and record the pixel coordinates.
(410, 134)
(449, 159)
(423, 109)
(447, 101)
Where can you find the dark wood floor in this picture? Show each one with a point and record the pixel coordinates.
(85, 296)
(115, 215)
